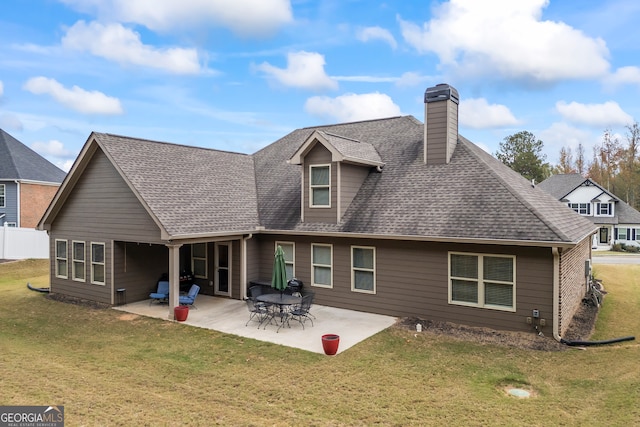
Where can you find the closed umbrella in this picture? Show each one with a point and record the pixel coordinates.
(279, 275)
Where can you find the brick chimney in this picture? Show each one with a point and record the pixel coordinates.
(440, 123)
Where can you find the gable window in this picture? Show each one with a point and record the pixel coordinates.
(199, 260)
(77, 267)
(61, 259)
(97, 263)
(289, 258)
(320, 186)
(321, 265)
(363, 269)
(479, 280)
(581, 208)
(2, 195)
(604, 209)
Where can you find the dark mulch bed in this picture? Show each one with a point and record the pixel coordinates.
(580, 329)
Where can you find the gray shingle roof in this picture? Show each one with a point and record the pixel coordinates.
(474, 196)
(562, 184)
(17, 161)
(353, 148)
(190, 190)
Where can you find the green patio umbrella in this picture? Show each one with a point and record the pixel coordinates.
(279, 275)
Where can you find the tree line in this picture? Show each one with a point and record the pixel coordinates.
(614, 163)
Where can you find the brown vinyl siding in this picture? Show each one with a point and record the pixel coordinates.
(573, 281)
(412, 280)
(85, 289)
(442, 131)
(101, 205)
(351, 178)
(137, 268)
(319, 155)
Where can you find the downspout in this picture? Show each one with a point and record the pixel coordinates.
(243, 267)
(18, 202)
(556, 293)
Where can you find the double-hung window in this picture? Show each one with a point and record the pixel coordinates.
(97, 263)
(604, 209)
(321, 265)
(289, 258)
(62, 270)
(581, 208)
(78, 271)
(2, 195)
(320, 186)
(363, 269)
(481, 280)
(199, 260)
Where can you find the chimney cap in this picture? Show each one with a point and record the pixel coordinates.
(441, 92)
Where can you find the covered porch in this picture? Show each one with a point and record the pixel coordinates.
(230, 316)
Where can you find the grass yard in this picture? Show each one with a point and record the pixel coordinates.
(110, 368)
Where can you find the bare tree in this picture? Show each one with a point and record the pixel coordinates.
(580, 162)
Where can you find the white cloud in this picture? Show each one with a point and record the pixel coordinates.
(600, 115)
(507, 38)
(479, 114)
(117, 43)
(625, 75)
(561, 134)
(52, 148)
(244, 17)
(352, 107)
(377, 33)
(10, 122)
(304, 70)
(410, 79)
(76, 98)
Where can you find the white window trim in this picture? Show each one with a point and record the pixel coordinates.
(293, 263)
(330, 266)
(93, 263)
(354, 269)
(597, 212)
(3, 195)
(205, 259)
(66, 258)
(312, 187)
(577, 209)
(480, 281)
(73, 261)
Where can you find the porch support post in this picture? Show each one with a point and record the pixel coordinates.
(174, 278)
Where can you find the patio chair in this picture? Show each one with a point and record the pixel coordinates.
(257, 311)
(301, 312)
(190, 298)
(161, 295)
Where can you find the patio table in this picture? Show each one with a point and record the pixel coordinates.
(282, 301)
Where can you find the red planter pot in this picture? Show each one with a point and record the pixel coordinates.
(330, 344)
(181, 312)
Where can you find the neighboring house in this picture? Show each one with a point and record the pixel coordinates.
(386, 216)
(617, 221)
(28, 183)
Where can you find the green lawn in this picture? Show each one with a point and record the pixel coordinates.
(110, 368)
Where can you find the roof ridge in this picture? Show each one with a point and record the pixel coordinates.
(355, 122)
(340, 136)
(510, 188)
(169, 143)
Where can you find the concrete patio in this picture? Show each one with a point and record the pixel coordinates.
(229, 316)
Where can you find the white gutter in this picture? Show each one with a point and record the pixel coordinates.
(556, 293)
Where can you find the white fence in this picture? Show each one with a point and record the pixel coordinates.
(22, 243)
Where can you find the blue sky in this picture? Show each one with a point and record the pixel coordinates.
(239, 75)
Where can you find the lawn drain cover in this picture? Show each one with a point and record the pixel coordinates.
(518, 392)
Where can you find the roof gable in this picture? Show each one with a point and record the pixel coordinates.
(22, 163)
(342, 149)
(188, 191)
